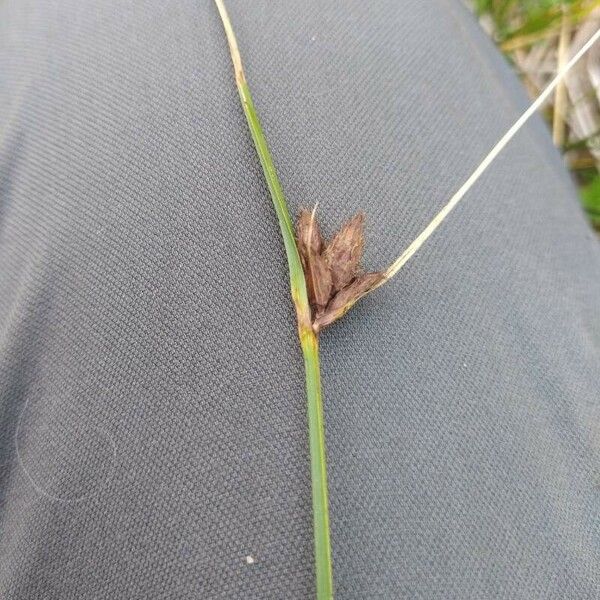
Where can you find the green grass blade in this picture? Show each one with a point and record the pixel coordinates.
(308, 339)
(297, 281)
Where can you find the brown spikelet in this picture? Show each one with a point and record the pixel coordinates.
(343, 301)
(334, 280)
(316, 269)
(308, 234)
(344, 252)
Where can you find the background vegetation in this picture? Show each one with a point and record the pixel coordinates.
(538, 36)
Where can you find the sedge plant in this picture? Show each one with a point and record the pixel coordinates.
(326, 281)
(308, 338)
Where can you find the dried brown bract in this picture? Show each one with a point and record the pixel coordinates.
(316, 270)
(343, 301)
(334, 278)
(344, 251)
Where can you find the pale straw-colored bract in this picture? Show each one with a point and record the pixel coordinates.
(485, 163)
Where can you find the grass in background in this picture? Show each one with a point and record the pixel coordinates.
(538, 37)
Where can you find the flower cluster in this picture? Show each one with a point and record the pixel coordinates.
(334, 278)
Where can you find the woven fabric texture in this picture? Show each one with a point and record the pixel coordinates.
(152, 413)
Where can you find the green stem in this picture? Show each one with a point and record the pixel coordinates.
(316, 434)
(308, 338)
